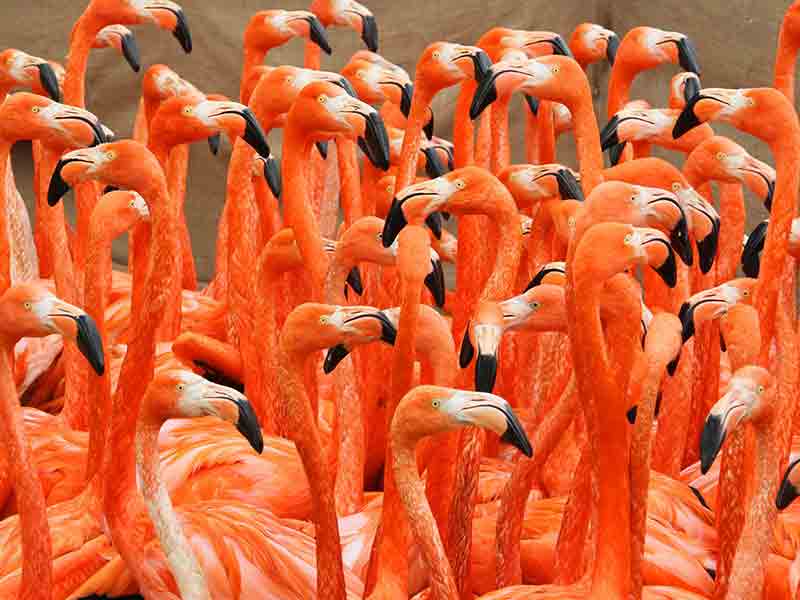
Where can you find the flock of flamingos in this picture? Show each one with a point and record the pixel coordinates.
(631, 430)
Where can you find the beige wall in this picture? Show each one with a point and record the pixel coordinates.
(735, 40)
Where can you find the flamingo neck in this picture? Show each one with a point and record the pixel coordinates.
(253, 57)
(607, 406)
(619, 85)
(501, 150)
(336, 280)
(297, 211)
(407, 169)
(349, 180)
(748, 570)
(182, 561)
(463, 128)
(587, 142)
(5, 250)
(83, 35)
(298, 421)
(785, 61)
(312, 58)
(426, 533)
(37, 574)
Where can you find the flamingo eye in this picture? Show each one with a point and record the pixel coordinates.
(180, 387)
(28, 306)
(290, 80)
(746, 293)
(187, 110)
(323, 320)
(437, 55)
(676, 187)
(721, 156)
(111, 155)
(132, 204)
(435, 404)
(389, 189)
(361, 74)
(628, 238)
(322, 98)
(36, 109)
(534, 305)
(571, 222)
(460, 184)
(760, 390)
(555, 69)
(750, 101)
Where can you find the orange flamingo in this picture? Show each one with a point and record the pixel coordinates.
(32, 311)
(592, 43)
(122, 40)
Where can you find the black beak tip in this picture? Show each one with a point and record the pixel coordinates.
(248, 426)
(395, 221)
(467, 351)
(770, 194)
(672, 365)
(406, 94)
(318, 36)
(375, 143)
(533, 104)
(691, 88)
(679, 239)
(254, 135)
(369, 32)
(322, 148)
(182, 32)
(615, 153)
(272, 173)
(687, 120)
(90, 343)
(49, 81)
(110, 188)
(354, 280)
(669, 270)
(560, 47)
(611, 48)
(130, 50)
(568, 186)
(433, 166)
(57, 187)
(707, 249)
(516, 436)
(485, 94)
(333, 357)
(214, 142)
(687, 56)
(485, 372)
(434, 281)
(609, 136)
(711, 440)
(631, 413)
(434, 223)
(428, 128)
(686, 316)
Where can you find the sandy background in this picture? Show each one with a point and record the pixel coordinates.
(735, 40)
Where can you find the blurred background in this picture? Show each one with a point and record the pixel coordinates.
(735, 40)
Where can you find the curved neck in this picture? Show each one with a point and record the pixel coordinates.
(426, 533)
(335, 281)
(349, 180)
(619, 86)
(463, 128)
(501, 149)
(299, 422)
(5, 250)
(37, 574)
(587, 142)
(253, 57)
(297, 210)
(785, 61)
(182, 561)
(313, 56)
(83, 35)
(407, 169)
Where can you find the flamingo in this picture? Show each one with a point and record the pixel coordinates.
(32, 311)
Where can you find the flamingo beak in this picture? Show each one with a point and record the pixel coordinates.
(485, 93)
(707, 247)
(354, 280)
(406, 94)
(725, 415)
(691, 88)
(615, 153)
(339, 352)
(560, 46)
(316, 33)
(751, 260)
(688, 316)
(688, 120)
(533, 104)
(433, 166)
(612, 45)
(394, 223)
(668, 269)
(787, 492)
(75, 324)
(343, 83)
(272, 173)
(130, 50)
(49, 81)
(568, 186)
(609, 136)
(679, 239)
(428, 128)
(245, 418)
(58, 187)
(214, 142)
(539, 278)
(434, 281)
(490, 412)
(253, 134)
(180, 30)
(322, 148)
(687, 55)
(369, 32)
(375, 143)
(487, 338)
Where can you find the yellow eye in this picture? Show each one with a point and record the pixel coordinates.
(750, 101)
(187, 110)
(760, 389)
(676, 187)
(322, 98)
(720, 156)
(180, 387)
(132, 204)
(435, 404)
(571, 221)
(361, 75)
(389, 189)
(290, 80)
(28, 306)
(628, 238)
(746, 293)
(35, 109)
(111, 155)
(460, 184)
(555, 69)
(436, 55)
(323, 320)
(534, 305)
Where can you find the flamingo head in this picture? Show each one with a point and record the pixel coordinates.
(125, 207)
(122, 40)
(125, 164)
(754, 244)
(682, 88)
(634, 124)
(443, 64)
(428, 410)
(26, 116)
(21, 70)
(713, 303)
(30, 310)
(348, 13)
(704, 223)
(162, 13)
(664, 210)
(268, 29)
(530, 184)
(325, 110)
(555, 78)
(609, 248)
(647, 48)
(591, 43)
(178, 393)
(378, 82)
(748, 398)
(553, 273)
(497, 41)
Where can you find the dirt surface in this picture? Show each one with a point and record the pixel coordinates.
(735, 41)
